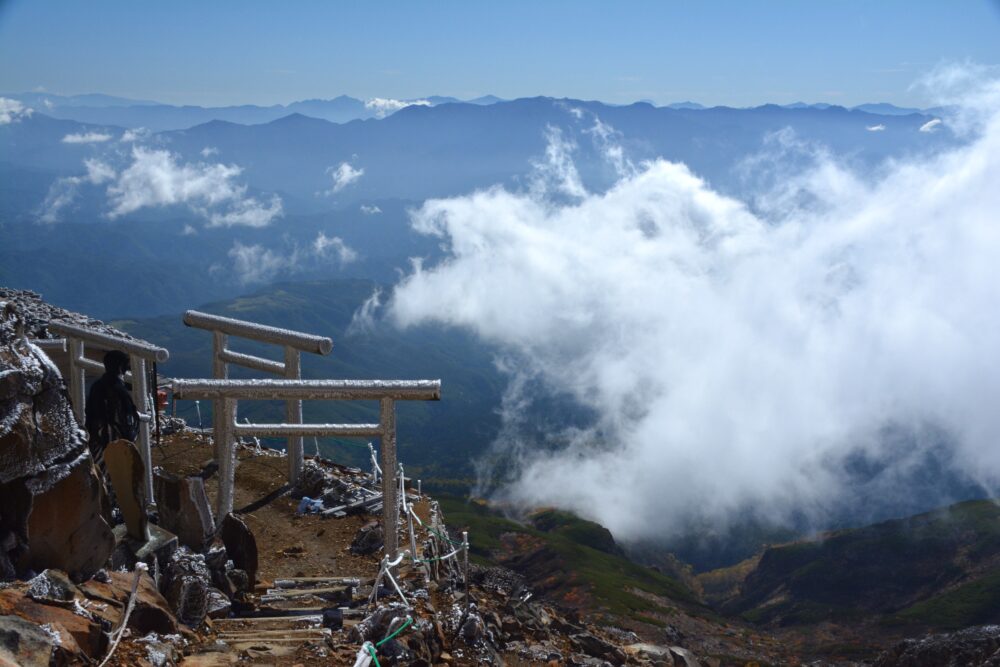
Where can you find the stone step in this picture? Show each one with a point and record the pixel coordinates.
(332, 593)
(280, 633)
(309, 582)
(303, 621)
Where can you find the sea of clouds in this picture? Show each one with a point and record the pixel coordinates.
(735, 353)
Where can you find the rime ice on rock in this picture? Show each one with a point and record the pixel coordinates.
(50, 494)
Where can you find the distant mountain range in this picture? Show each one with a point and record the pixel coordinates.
(102, 109)
(157, 117)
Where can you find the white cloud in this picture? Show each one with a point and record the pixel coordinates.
(325, 245)
(343, 175)
(135, 134)
(363, 320)
(12, 111)
(931, 125)
(255, 263)
(370, 210)
(248, 212)
(189, 231)
(732, 359)
(876, 128)
(64, 191)
(259, 264)
(86, 138)
(383, 106)
(209, 151)
(557, 172)
(157, 178)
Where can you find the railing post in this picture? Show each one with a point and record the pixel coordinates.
(140, 396)
(293, 415)
(220, 371)
(77, 381)
(226, 444)
(465, 555)
(390, 506)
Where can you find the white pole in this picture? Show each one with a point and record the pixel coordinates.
(140, 396)
(227, 459)
(390, 508)
(77, 380)
(293, 415)
(465, 548)
(220, 371)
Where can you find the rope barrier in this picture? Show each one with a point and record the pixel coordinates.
(409, 621)
(369, 649)
(117, 635)
(433, 531)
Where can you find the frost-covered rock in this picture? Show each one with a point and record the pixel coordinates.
(51, 499)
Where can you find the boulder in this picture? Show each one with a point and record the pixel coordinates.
(27, 644)
(151, 612)
(184, 509)
(368, 539)
(80, 633)
(312, 482)
(186, 584)
(65, 528)
(241, 546)
(599, 648)
(684, 657)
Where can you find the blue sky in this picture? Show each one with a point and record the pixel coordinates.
(736, 53)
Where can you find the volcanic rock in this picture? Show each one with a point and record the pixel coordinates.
(151, 612)
(184, 508)
(597, 647)
(186, 584)
(240, 544)
(27, 644)
(972, 646)
(66, 529)
(368, 539)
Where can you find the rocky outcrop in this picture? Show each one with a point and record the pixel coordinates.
(51, 498)
(972, 646)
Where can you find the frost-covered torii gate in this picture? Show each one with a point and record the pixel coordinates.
(227, 393)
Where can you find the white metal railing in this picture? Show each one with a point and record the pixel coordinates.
(75, 338)
(293, 342)
(227, 393)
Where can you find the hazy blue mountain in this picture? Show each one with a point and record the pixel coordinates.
(156, 116)
(486, 99)
(44, 101)
(685, 105)
(887, 109)
(804, 105)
